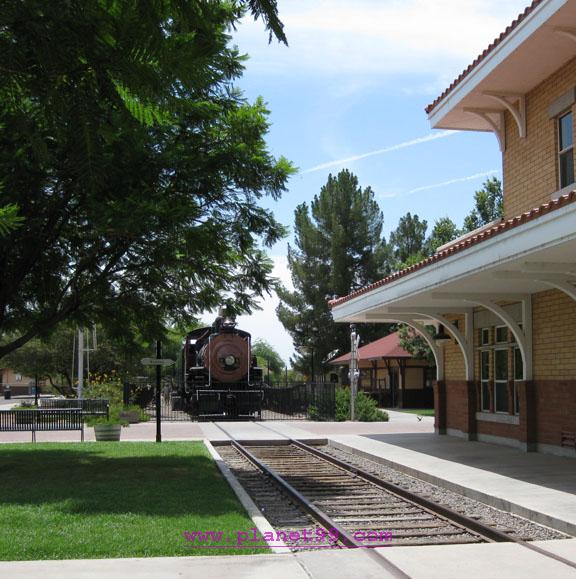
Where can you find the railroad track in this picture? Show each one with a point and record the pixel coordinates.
(364, 510)
(299, 486)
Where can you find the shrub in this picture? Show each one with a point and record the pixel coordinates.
(107, 389)
(366, 409)
(113, 418)
(142, 416)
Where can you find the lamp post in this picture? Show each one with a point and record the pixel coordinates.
(314, 332)
(354, 371)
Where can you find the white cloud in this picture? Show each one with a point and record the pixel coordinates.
(389, 149)
(452, 181)
(380, 36)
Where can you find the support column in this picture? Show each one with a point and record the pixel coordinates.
(471, 423)
(440, 406)
(402, 380)
(527, 400)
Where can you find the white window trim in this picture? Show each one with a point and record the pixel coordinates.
(496, 328)
(561, 152)
(496, 382)
(484, 383)
(501, 418)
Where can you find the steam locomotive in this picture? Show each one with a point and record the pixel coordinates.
(220, 377)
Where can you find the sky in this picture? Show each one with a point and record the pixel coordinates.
(350, 91)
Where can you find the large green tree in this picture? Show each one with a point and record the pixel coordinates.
(488, 205)
(269, 360)
(339, 248)
(135, 163)
(407, 241)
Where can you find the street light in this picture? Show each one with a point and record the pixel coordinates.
(441, 335)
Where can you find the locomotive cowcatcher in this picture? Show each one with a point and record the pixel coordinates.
(221, 379)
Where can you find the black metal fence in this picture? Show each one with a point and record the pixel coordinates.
(312, 401)
(88, 406)
(296, 401)
(40, 420)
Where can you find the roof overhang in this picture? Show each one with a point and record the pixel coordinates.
(532, 257)
(536, 45)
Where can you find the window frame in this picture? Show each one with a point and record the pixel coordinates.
(563, 152)
(496, 340)
(517, 355)
(484, 381)
(501, 382)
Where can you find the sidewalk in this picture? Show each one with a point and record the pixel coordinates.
(497, 561)
(399, 422)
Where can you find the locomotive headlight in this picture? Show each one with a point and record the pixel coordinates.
(229, 360)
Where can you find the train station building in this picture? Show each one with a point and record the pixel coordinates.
(391, 375)
(505, 293)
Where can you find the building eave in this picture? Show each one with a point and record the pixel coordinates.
(531, 49)
(545, 234)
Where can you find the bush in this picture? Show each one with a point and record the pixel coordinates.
(314, 413)
(105, 388)
(113, 418)
(366, 409)
(142, 416)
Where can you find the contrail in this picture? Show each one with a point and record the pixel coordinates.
(459, 180)
(430, 137)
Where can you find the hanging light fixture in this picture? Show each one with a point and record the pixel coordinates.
(441, 334)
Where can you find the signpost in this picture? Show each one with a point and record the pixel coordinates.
(158, 362)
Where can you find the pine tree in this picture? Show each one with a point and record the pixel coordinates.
(339, 248)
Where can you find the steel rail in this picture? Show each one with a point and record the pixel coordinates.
(472, 524)
(344, 536)
(459, 518)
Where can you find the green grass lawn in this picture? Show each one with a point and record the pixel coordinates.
(420, 411)
(102, 500)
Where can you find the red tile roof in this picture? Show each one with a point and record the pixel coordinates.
(387, 347)
(465, 243)
(484, 54)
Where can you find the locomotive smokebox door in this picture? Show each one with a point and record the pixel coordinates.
(228, 360)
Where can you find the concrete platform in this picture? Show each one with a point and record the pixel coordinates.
(536, 486)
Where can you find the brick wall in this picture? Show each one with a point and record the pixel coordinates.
(456, 404)
(554, 331)
(497, 429)
(554, 350)
(454, 368)
(555, 409)
(530, 164)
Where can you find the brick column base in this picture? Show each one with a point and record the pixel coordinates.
(526, 392)
(471, 423)
(440, 406)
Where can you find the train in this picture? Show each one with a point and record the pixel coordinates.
(220, 378)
